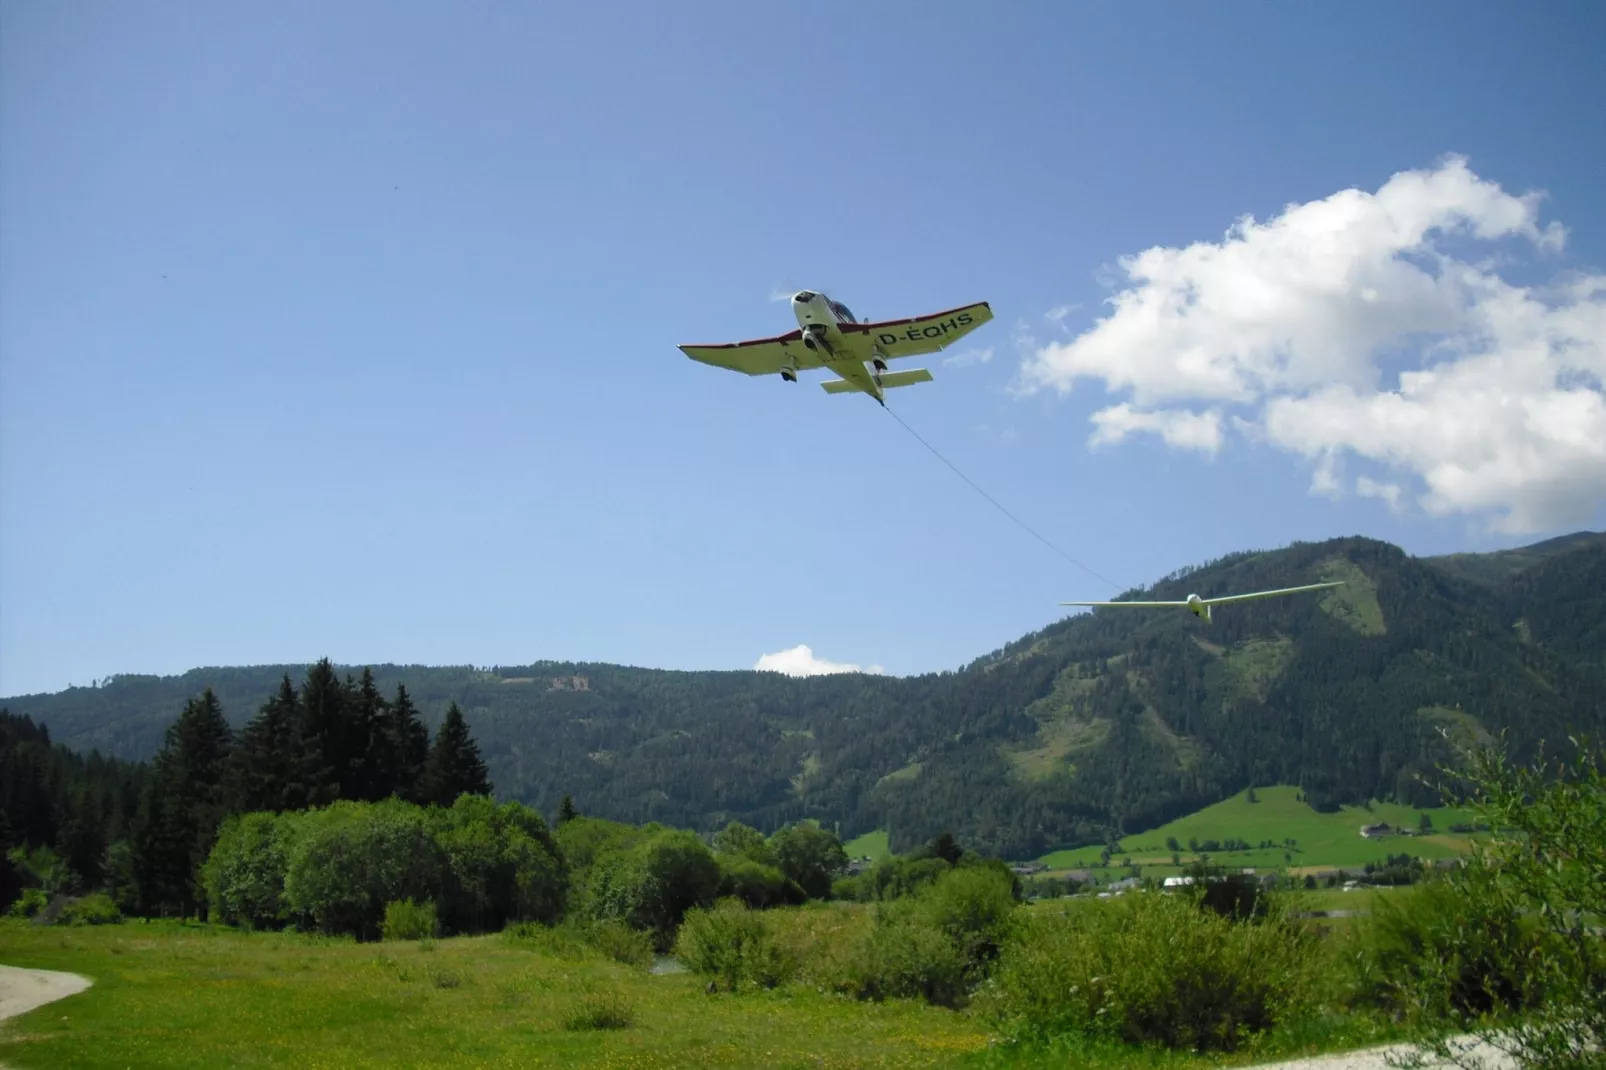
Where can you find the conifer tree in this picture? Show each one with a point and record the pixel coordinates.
(364, 773)
(263, 768)
(454, 764)
(323, 713)
(182, 807)
(406, 746)
(566, 811)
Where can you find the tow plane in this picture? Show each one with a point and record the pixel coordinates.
(829, 336)
(1200, 607)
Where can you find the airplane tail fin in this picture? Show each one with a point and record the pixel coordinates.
(888, 381)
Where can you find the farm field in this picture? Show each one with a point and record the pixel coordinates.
(874, 844)
(1321, 841)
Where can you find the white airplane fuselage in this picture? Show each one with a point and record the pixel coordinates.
(819, 318)
(1197, 606)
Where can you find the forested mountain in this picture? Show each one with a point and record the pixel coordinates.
(1114, 720)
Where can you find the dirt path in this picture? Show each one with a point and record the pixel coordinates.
(1375, 1058)
(22, 990)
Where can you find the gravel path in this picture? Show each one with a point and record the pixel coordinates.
(1374, 1058)
(22, 990)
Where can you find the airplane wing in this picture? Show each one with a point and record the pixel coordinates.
(1268, 594)
(1123, 603)
(923, 334)
(761, 356)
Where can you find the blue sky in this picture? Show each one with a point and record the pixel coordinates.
(349, 329)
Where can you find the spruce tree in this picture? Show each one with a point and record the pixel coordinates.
(566, 811)
(323, 715)
(406, 747)
(364, 773)
(454, 764)
(182, 807)
(263, 770)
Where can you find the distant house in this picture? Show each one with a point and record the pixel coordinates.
(1025, 868)
(1372, 831)
(1177, 882)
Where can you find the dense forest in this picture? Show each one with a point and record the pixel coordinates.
(1099, 724)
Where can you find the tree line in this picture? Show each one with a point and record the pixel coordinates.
(142, 832)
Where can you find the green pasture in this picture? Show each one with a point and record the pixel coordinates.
(1321, 841)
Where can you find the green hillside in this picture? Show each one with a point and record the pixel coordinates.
(1098, 724)
(1320, 840)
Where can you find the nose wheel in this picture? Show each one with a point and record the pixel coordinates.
(789, 375)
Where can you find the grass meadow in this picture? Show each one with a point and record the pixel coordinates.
(1322, 841)
(184, 994)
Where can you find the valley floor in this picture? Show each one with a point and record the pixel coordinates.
(188, 995)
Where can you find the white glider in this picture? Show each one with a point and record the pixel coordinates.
(1201, 606)
(828, 336)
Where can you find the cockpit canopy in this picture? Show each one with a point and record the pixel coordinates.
(842, 312)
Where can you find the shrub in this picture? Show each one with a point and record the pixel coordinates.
(408, 920)
(1152, 968)
(1443, 950)
(733, 944)
(939, 943)
(1531, 988)
(599, 1010)
(244, 874)
(756, 884)
(349, 859)
(620, 942)
(32, 902)
(96, 909)
(653, 884)
(905, 956)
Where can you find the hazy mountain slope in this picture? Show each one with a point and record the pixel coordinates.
(1124, 717)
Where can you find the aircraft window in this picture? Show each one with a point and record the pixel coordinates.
(842, 310)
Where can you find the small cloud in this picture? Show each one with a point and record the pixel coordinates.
(800, 661)
(1370, 488)
(970, 356)
(1327, 479)
(1176, 427)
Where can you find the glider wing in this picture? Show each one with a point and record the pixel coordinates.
(1123, 603)
(922, 334)
(1268, 594)
(761, 356)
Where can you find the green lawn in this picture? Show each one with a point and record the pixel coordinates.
(1322, 840)
(873, 844)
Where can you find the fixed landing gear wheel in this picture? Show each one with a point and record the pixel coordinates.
(790, 377)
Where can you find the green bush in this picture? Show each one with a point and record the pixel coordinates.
(1443, 950)
(32, 902)
(652, 884)
(620, 942)
(96, 909)
(244, 874)
(756, 884)
(349, 859)
(1149, 967)
(599, 1010)
(409, 920)
(939, 943)
(732, 943)
(905, 956)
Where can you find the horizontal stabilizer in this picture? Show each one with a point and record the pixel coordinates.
(888, 381)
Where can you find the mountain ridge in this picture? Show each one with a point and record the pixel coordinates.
(1097, 723)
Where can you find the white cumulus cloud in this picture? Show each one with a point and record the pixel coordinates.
(800, 661)
(1356, 325)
